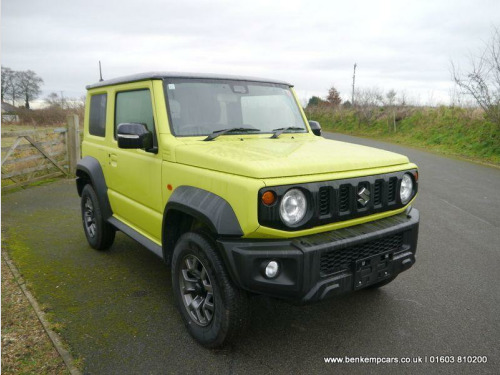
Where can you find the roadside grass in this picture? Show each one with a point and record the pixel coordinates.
(33, 184)
(6, 127)
(453, 131)
(26, 348)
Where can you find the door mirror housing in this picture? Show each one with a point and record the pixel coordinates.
(315, 127)
(134, 135)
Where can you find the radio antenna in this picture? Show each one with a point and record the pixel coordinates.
(100, 72)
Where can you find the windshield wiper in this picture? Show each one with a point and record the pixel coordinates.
(217, 133)
(279, 131)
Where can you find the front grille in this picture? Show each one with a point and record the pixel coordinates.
(324, 200)
(337, 200)
(381, 194)
(377, 192)
(391, 195)
(339, 260)
(344, 198)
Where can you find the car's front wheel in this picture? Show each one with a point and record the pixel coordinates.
(212, 308)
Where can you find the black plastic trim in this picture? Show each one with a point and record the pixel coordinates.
(207, 207)
(91, 167)
(132, 233)
(300, 278)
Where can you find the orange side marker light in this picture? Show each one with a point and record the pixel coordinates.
(268, 198)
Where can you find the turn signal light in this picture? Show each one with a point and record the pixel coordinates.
(268, 198)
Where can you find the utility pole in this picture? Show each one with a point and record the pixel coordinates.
(353, 81)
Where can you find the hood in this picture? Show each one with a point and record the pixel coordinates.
(283, 157)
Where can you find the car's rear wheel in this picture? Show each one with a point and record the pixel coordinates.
(212, 308)
(100, 234)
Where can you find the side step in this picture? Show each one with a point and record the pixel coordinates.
(135, 235)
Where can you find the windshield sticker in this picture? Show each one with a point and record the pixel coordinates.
(171, 86)
(239, 89)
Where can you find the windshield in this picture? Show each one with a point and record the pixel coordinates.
(199, 107)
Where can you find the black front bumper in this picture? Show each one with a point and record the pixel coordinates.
(325, 264)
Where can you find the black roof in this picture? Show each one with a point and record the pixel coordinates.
(162, 75)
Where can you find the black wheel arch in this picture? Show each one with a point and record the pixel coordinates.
(89, 170)
(188, 204)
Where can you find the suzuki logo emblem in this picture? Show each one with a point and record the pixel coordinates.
(364, 196)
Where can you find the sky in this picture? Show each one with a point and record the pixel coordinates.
(402, 45)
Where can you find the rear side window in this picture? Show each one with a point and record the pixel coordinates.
(97, 118)
(134, 106)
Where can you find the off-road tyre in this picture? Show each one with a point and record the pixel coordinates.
(100, 234)
(230, 304)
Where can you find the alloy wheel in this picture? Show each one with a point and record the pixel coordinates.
(89, 218)
(196, 290)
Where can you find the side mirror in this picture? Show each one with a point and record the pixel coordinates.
(134, 135)
(315, 127)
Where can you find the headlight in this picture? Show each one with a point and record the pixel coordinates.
(406, 189)
(293, 207)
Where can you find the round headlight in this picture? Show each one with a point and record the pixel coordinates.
(293, 207)
(406, 189)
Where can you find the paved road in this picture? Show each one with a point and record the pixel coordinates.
(115, 308)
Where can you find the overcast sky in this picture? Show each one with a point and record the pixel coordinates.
(404, 45)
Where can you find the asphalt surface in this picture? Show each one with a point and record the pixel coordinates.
(115, 308)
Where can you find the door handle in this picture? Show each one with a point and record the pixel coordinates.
(113, 160)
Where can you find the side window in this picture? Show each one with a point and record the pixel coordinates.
(135, 106)
(97, 118)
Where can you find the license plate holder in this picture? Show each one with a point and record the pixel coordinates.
(370, 270)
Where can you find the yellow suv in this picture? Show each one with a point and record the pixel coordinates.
(225, 179)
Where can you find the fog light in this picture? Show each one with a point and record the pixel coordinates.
(272, 269)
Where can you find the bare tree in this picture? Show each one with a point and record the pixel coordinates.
(6, 72)
(29, 84)
(482, 81)
(391, 97)
(369, 97)
(53, 100)
(10, 85)
(403, 98)
(353, 81)
(334, 97)
(390, 102)
(367, 102)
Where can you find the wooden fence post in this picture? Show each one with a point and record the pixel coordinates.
(73, 142)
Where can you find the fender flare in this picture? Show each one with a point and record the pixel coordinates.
(209, 208)
(91, 167)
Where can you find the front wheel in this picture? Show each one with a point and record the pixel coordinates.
(212, 308)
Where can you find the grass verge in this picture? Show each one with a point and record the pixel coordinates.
(452, 131)
(26, 348)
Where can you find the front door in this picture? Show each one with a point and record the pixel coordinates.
(134, 186)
